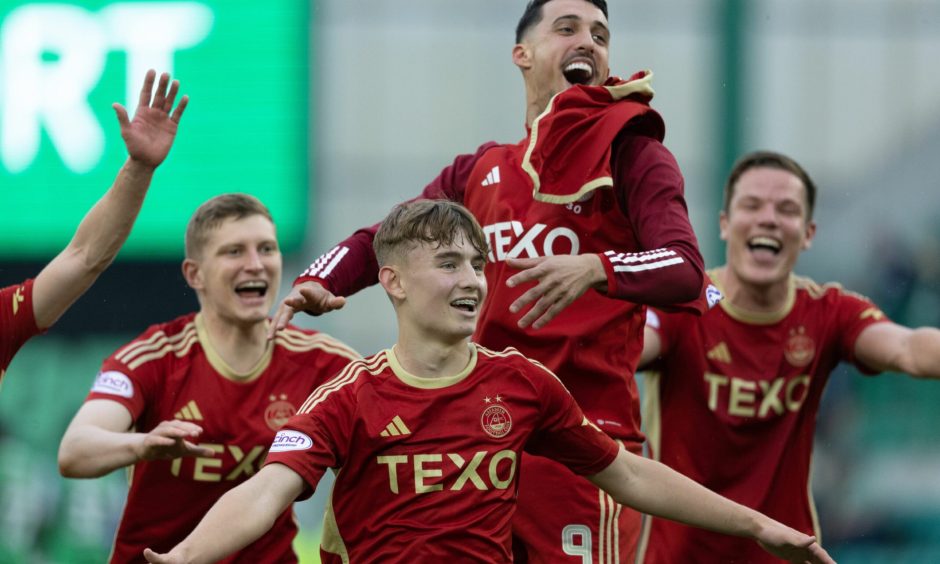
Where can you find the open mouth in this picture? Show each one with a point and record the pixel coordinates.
(252, 289)
(468, 305)
(578, 72)
(765, 244)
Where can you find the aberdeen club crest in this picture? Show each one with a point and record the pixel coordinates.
(278, 412)
(495, 420)
(800, 348)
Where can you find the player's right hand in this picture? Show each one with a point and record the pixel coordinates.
(150, 134)
(311, 297)
(169, 440)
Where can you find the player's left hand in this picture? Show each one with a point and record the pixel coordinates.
(149, 136)
(793, 546)
(561, 280)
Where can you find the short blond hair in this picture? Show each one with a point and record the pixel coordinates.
(434, 222)
(213, 212)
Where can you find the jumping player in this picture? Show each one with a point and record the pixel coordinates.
(590, 207)
(31, 307)
(733, 395)
(211, 377)
(426, 437)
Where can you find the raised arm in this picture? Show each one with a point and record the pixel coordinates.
(238, 518)
(99, 440)
(102, 232)
(658, 490)
(891, 347)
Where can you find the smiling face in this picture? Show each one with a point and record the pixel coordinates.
(567, 46)
(766, 226)
(437, 289)
(237, 270)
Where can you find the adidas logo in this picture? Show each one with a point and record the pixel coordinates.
(492, 177)
(18, 296)
(720, 353)
(190, 412)
(873, 313)
(396, 428)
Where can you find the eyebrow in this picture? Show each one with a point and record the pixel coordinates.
(458, 255)
(577, 18)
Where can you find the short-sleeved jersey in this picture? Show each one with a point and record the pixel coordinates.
(427, 469)
(732, 404)
(635, 221)
(172, 372)
(17, 322)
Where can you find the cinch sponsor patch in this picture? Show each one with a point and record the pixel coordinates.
(115, 383)
(713, 295)
(290, 440)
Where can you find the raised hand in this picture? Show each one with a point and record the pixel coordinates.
(561, 280)
(169, 440)
(149, 136)
(308, 296)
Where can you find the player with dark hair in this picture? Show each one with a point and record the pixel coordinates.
(33, 306)
(733, 395)
(586, 221)
(426, 437)
(210, 376)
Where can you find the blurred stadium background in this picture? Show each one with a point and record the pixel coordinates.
(331, 111)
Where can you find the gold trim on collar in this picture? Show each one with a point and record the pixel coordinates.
(430, 383)
(753, 317)
(222, 367)
(642, 86)
(639, 86)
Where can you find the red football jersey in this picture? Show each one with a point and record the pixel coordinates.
(732, 404)
(591, 177)
(427, 467)
(172, 372)
(595, 343)
(639, 228)
(17, 322)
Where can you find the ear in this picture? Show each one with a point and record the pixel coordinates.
(192, 274)
(810, 233)
(723, 225)
(522, 56)
(390, 279)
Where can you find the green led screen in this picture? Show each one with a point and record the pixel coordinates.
(243, 64)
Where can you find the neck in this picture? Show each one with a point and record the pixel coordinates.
(240, 346)
(534, 106)
(432, 359)
(532, 112)
(752, 297)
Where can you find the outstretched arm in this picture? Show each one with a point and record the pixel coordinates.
(656, 489)
(351, 266)
(100, 235)
(891, 347)
(98, 441)
(238, 518)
